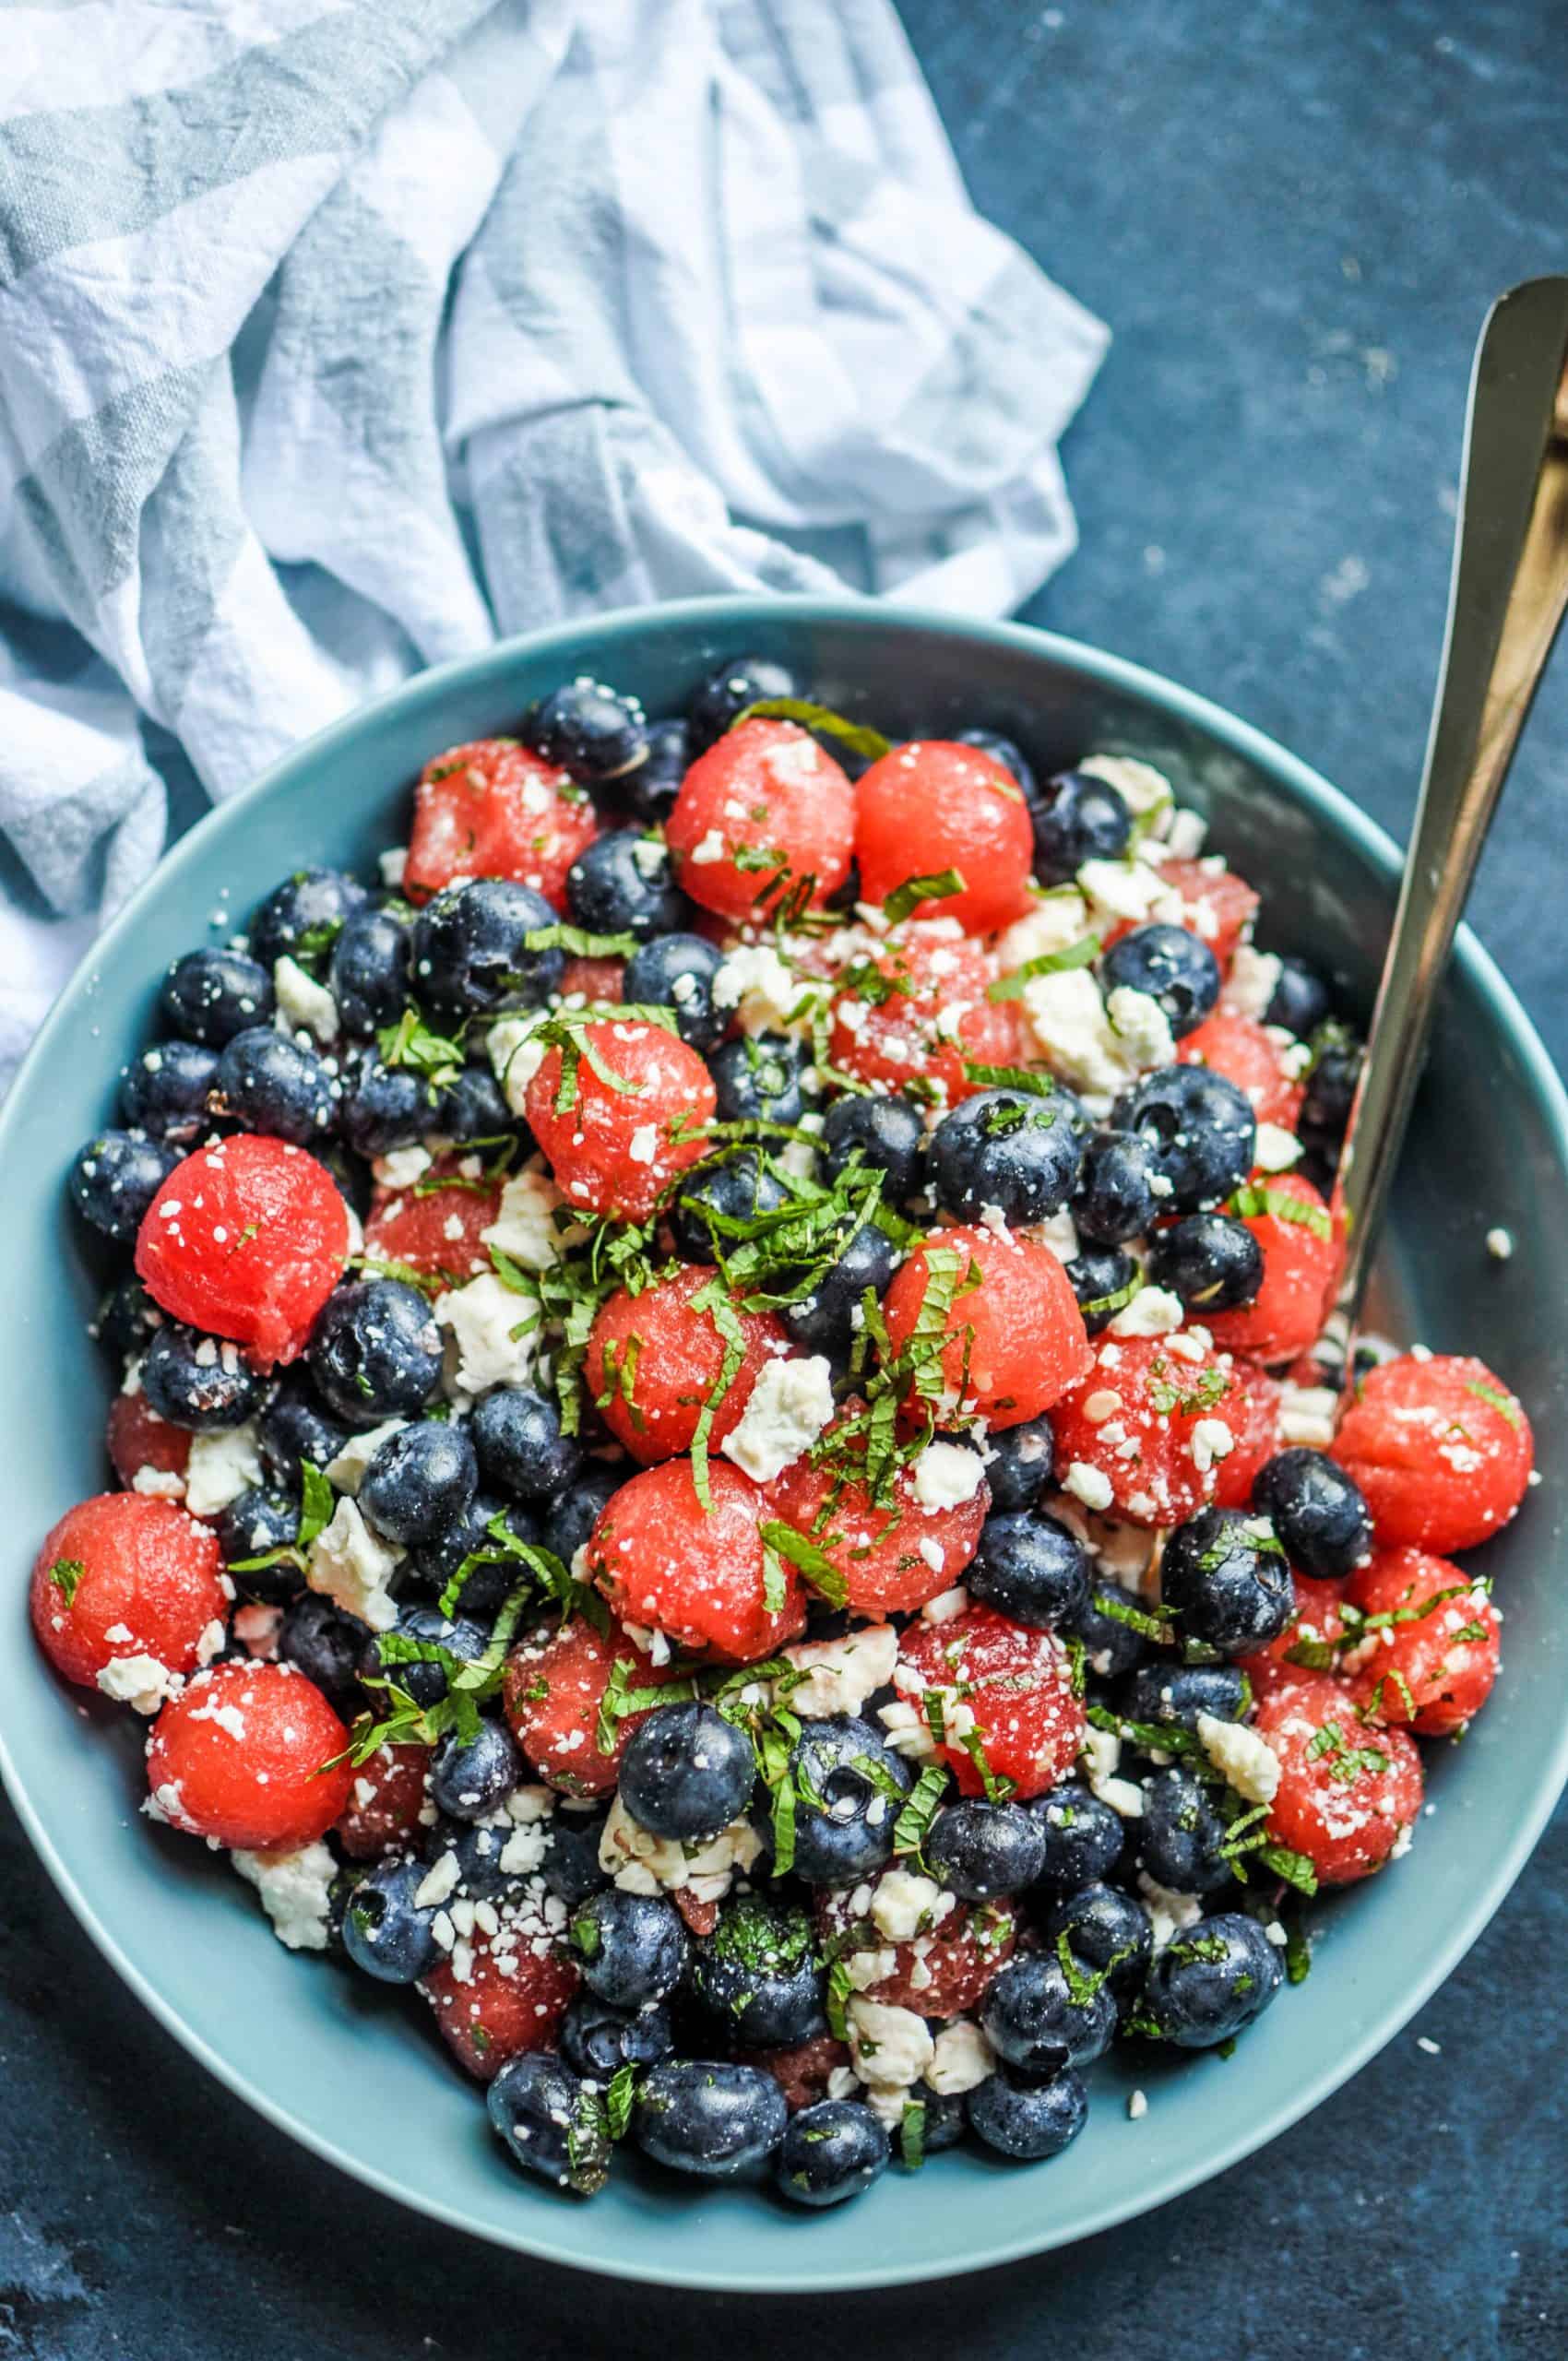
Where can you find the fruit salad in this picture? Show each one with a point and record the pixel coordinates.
(731, 1461)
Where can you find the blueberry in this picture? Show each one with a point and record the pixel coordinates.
(468, 1781)
(296, 1425)
(419, 1481)
(1319, 1512)
(1116, 1198)
(470, 953)
(209, 996)
(303, 916)
(1300, 999)
(1004, 751)
(434, 1561)
(166, 1090)
(851, 1833)
(593, 734)
(456, 1637)
(374, 1352)
(197, 1382)
(1212, 1980)
(266, 1081)
(1331, 1089)
(1199, 1130)
(598, 2040)
(730, 688)
(552, 2123)
(1177, 1694)
(945, 2120)
(325, 1644)
(386, 1931)
(981, 1851)
(1111, 1643)
(472, 1106)
(1007, 1148)
(888, 1135)
(114, 1179)
(570, 1519)
(650, 790)
(1078, 818)
(1100, 1280)
(1228, 1580)
(1041, 2013)
(622, 885)
(126, 1318)
(521, 1449)
(735, 1188)
(1170, 966)
(1019, 1467)
(1107, 1931)
(1083, 1838)
(824, 1322)
(757, 1079)
(704, 2115)
(1020, 2114)
(1030, 1568)
(259, 1521)
(386, 1106)
(570, 1865)
(369, 970)
(759, 1974)
(687, 1773)
(1181, 1836)
(677, 971)
(478, 1845)
(632, 1948)
(830, 2153)
(1212, 1263)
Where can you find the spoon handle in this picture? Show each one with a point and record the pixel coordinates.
(1506, 600)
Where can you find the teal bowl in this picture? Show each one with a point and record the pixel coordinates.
(328, 2061)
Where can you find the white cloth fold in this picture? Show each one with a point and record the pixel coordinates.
(338, 336)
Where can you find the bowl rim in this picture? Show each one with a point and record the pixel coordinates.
(1326, 806)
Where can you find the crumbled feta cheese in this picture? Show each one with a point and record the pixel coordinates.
(482, 1317)
(140, 1681)
(392, 863)
(1211, 1439)
(223, 1464)
(889, 2048)
(1170, 1912)
(843, 1673)
(708, 850)
(947, 1606)
(908, 1732)
(1140, 786)
(1088, 1484)
(1119, 891)
(525, 1226)
(1058, 919)
(1499, 1244)
(1142, 1026)
(642, 1863)
(303, 1005)
(1277, 1148)
(1253, 981)
(946, 1475)
(1072, 1033)
(764, 992)
(961, 2059)
(1102, 1754)
(346, 1472)
(1244, 1757)
(1153, 1311)
(791, 1403)
(350, 1565)
(1137, 2105)
(905, 1904)
(1307, 1414)
(402, 1166)
(295, 1890)
(160, 1483)
(438, 1883)
(516, 1056)
(862, 1968)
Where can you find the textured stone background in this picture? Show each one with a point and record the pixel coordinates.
(1293, 216)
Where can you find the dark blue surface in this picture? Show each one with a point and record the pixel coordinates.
(1293, 217)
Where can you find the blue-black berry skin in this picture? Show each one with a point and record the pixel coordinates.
(598, 2040)
(1167, 1691)
(304, 913)
(472, 1106)
(1098, 1278)
(1106, 1929)
(1173, 967)
(551, 2122)
(840, 1844)
(1019, 1467)
(676, 971)
(1008, 1148)
(757, 1975)
(1031, 1569)
(126, 1318)
(471, 950)
(468, 1780)
(386, 1933)
(114, 1179)
(981, 1851)
(1041, 2015)
(824, 1322)
(297, 1425)
(369, 970)
(1213, 1262)
(1212, 1980)
(1078, 818)
(327, 1644)
(1300, 999)
(571, 1517)
(386, 1106)
(210, 995)
(592, 733)
(420, 1480)
(258, 1521)
(1319, 1512)
(738, 1189)
(1180, 1837)
(649, 791)
(1006, 751)
(521, 1449)
(1228, 1582)
(1027, 2117)
(729, 689)
(709, 2117)
(199, 1383)
(374, 1352)
(630, 1948)
(270, 1082)
(165, 1091)
(831, 2153)
(1114, 1199)
(425, 1678)
(622, 885)
(570, 1866)
(757, 1079)
(687, 1773)
(1083, 1838)
(1111, 1644)
(1199, 1130)
(887, 1134)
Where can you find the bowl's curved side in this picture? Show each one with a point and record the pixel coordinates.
(307, 2047)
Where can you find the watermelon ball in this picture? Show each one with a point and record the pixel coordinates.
(1300, 1263)
(718, 701)
(246, 1238)
(136, 1437)
(894, 1554)
(1170, 966)
(614, 1145)
(471, 954)
(1308, 1641)
(1199, 1130)
(492, 809)
(1440, 1448)
(199, 1383)
(1213, 1981)
(383, 1807)
(1216, 903)
(676, 971)
(554, 1683)
(1250, 1057)
(663, 1559)
(1015, 1337)
(936, 1020)
(210, 995)
(1317, 1510)
(1348, 1793)
(511, 1996)
(375, 1353)
(1225, 1576)
(622, 885)
(761, 812)
(1078, 818)
(1009, 1709)
(270, 1082)
(369, 971)
(1432, 1665)
(1008, 1148)
(963, 812)
(306, 910)
(126, 1578)
(165, 1091)
(114, 1179)
(655, 1359)
(240, 1756)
